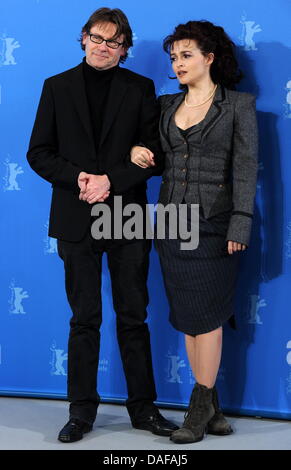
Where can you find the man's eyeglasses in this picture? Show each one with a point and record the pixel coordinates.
(109, 42)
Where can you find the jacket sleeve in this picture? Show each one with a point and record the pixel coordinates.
(43, 155)
(127, 174)
(244, 169)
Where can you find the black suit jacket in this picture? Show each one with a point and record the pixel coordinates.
(62, 144)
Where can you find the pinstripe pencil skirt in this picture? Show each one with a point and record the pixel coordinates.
(200, 283)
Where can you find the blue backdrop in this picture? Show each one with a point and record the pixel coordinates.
(38, 38)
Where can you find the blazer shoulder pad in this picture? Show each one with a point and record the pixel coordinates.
(241, 97)
(63, 75)
(164, 100)
(129, 74)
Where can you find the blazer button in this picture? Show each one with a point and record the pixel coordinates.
(220, 185)
(186, 155)
(183, 170)
(183, 184)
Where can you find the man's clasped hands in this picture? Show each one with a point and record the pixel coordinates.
(96, 188)
(93, 188)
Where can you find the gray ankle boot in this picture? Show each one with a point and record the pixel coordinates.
(218, 424)
(199, 413)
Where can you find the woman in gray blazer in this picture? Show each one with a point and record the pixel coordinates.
(209, 136)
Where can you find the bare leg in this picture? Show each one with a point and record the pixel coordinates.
(190, 342)
(204, 354)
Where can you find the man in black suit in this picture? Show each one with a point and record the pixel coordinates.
(87, 121)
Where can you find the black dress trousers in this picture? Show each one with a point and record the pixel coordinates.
(128, 263)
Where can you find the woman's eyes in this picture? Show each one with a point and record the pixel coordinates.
(185, 56)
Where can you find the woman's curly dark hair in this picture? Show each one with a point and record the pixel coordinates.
(210, 38)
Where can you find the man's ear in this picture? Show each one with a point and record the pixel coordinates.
(124, 51)
(84, 37)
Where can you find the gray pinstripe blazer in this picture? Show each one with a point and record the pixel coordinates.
(220, 172)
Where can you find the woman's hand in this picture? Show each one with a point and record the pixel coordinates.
(142, 157)
(235, 246)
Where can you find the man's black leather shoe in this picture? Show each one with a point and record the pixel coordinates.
(74, 430)
(156, 424)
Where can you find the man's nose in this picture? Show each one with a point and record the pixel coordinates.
(103, 46)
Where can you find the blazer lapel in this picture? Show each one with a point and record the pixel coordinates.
(215, 112)
(166, 115)
(78, 91)
(116, 95)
